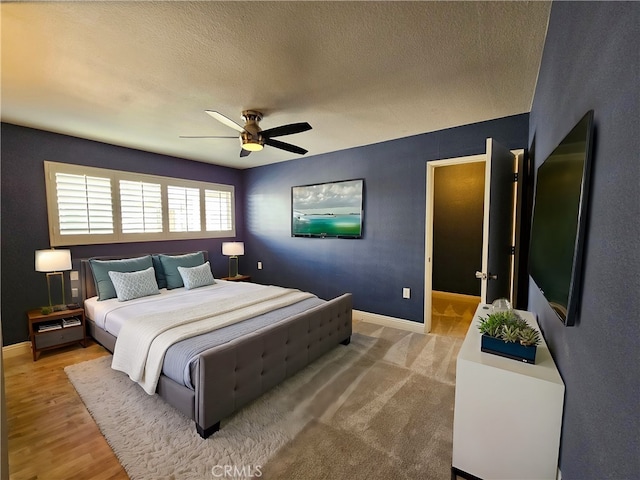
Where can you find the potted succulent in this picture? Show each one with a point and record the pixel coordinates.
(506, 334)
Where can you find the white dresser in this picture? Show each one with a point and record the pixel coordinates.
(508, 414)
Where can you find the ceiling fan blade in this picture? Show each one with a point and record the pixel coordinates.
(285, 146)
(203, 136)
(244, 153)
(286, 130)
(227, 121)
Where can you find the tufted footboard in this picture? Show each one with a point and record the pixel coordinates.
(234, 374)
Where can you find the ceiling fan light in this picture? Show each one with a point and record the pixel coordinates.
(252, 146)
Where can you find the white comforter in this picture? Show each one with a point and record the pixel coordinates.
(143, 340)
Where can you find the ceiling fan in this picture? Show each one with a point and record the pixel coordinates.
(253, 138)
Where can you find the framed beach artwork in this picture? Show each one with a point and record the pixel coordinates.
(332, 209)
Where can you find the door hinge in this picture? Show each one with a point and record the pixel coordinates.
(515, 177)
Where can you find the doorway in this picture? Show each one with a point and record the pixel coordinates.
(455, 199)
(462, 271)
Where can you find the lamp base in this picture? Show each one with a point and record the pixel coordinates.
(233, 266)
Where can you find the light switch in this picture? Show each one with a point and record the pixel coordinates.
(73, 275)
(406, 293)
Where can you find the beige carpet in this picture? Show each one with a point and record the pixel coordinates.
(381, 407)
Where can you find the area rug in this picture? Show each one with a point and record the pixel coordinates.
(381, 407)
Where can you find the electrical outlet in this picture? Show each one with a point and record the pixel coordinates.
(259, 265)
(406, 293)
(73, 275)
(74, 292)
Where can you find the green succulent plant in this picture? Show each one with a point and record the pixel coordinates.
(529, 336)
(508, 326)
(510, 333)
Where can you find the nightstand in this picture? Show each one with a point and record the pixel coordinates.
(56, 329)
(239, 278)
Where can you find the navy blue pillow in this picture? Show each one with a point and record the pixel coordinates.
(101, 269)
(170, 264)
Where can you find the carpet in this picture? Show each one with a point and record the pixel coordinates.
(381, 407)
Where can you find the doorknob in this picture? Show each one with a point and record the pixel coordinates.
(484, 276)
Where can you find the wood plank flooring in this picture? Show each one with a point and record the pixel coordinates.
(51, 433)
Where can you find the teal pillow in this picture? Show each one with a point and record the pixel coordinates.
(101, 269)
(170, 264)
(159, 271)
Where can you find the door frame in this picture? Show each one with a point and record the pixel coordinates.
(428, 237)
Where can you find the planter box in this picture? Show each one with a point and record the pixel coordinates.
(526, 354)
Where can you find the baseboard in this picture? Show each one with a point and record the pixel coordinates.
(388, 321)
(456, 296)
(16, 349)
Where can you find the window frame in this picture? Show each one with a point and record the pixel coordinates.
(56, 239)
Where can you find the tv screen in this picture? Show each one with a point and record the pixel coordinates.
(333, 209)
(558, 225)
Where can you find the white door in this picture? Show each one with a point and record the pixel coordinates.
(498, 227)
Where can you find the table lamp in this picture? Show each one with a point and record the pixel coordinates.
(233, 249)
(54, 262)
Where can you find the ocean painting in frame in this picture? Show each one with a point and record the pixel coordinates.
(333, 209)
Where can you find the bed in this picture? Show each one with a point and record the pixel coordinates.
(235, 364)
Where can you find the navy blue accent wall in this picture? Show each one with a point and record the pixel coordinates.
(391, 254)
(24, 211)
(591, 60)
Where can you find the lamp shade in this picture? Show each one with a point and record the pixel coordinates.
(233, 248)
(53, 260)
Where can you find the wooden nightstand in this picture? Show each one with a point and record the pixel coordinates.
(56, 329)
(239, 278)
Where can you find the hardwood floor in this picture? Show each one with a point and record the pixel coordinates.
(51, 434)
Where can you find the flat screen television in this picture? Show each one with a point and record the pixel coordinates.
(333, 209)
(559, 217)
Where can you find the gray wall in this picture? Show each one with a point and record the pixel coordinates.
(591, 61)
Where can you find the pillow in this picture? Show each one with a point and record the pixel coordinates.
(157, 266)
(101, 269)
(194, 277)
(170, 264)
(130, 285)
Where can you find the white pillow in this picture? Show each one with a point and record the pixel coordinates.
(194, 277)
(130, 285)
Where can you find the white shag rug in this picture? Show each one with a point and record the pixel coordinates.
(153, 440)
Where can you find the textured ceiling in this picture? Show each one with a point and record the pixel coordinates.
(140, 74)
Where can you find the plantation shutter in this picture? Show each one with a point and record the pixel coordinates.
(84, 204)
(184, 209)
(141, 207)
(218, 210)
(89, 205)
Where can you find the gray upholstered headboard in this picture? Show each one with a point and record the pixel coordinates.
(86, 275)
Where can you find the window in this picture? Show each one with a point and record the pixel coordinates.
(184, 209)
(84, 204)
(89, 205)
(140, 207)
(218, 210)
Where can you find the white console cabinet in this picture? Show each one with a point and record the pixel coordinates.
(508, 414)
